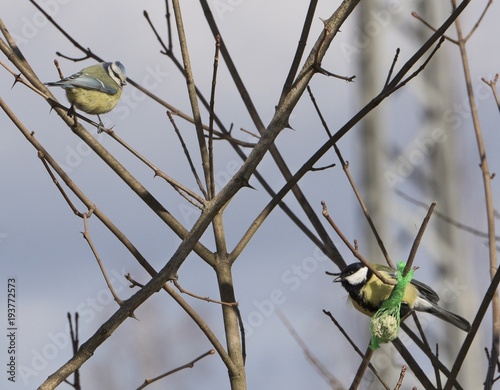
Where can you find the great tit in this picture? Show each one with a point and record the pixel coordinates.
(96, 89)
(367, 292)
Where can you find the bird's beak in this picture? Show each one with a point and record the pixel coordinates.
(337, 274)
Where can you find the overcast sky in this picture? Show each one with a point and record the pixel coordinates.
(40, 241)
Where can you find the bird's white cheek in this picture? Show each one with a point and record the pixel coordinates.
(358, 277)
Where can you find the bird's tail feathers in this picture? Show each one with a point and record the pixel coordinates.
(449, 317)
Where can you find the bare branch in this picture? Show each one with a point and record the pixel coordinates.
(182, 290)
(299, 52)
(355, 347)
(353, 249)
(391, 70)
(313, 360)
(187, 365)
(211, 186)
(443, 217)
(493, 86)
(193, 100)
(479, 20)
(401, 378)
(418, 17)
(418, 238)
(87, 237)
(345, 166)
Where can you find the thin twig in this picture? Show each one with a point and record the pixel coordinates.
(418, 238)
(438, 377)
(313, 360)
(355, 347)
(493, 86)
(318, 111)
(401, 378)
(402, 83)
(325, 72)
(187, 154)
(345, 166)
(73, 332)
(190, 84)
(184, 291)
(444, 217)
(165, 50)
(299, 52)
(354, 250)
(86, 235)
(428, 349)
(317, 169)
(418, 17)
(391, 69)
(59, 187)
(249, 133)
(191, 196)
(473, 30)
(187, 365)
(169, 25)
(211, 185)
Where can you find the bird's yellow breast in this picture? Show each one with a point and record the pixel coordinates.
(93, 102)
(375, 292)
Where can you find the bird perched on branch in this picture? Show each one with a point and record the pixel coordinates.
(95, 90)
(367, 292)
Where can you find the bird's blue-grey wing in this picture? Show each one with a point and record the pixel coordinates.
(84, 81)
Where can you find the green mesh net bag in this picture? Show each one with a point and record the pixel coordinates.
(384, 325)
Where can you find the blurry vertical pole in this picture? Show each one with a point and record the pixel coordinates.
(440, 180)
(371, 150)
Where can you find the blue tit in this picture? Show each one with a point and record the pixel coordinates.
(367, 292)
(96, 89)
